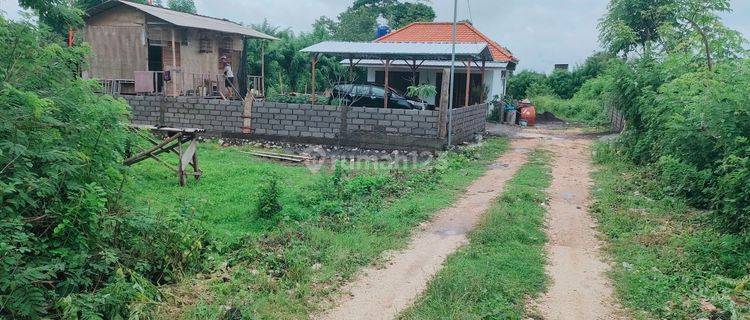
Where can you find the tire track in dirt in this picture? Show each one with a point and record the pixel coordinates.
(382, 293)
(579, 288)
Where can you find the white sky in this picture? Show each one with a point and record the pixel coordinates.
(539, 32)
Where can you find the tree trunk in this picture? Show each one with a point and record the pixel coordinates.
(706, 45)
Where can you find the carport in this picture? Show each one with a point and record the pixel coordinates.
(413, 54)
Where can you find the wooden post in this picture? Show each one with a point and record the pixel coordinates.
(483, 68)
(414, 73)
(385, 98)
(263, 68)
(351, 70)
(174, 65)
(468, 83)
(312, 82)
(444, 103)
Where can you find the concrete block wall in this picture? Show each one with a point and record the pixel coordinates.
(367, 127)
(213, 115)
(469, 121)
(337, 125)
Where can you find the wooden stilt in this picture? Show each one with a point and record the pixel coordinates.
(263, 68)
(351, 70)
(314, 97)
(174, 65)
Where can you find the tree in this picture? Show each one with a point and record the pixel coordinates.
(676, 26)
(60, 15)
(699, 26)
(357, 23)
(182, 5)
(633, 24)
(519, 83)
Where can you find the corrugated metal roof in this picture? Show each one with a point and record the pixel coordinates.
(188, 20)
(401, 50)
(426, 64)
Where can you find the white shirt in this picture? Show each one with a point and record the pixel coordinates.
(228, 71)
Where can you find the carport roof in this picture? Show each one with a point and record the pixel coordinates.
(402, 50)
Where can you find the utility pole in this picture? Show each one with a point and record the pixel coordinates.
(453, 74)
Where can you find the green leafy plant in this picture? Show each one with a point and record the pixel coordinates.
(68, 241)
(422, 91)
(269, 206)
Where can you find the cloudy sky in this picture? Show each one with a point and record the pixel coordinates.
(540, 32)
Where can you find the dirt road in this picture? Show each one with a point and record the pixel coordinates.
(579, 288)
(383, 293)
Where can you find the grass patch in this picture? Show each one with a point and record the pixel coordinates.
(503, 264)
(671, 262)
(329, 224)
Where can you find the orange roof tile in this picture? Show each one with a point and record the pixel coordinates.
(442, 32)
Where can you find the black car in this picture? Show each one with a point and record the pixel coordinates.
(368, 95)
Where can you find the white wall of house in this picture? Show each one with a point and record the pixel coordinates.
(494, 79)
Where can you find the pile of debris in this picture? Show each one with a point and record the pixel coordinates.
(549, 117)
(309, 152)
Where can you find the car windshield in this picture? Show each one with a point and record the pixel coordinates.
(378, 91)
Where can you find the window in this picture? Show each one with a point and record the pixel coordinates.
(227, 43)
(205, 44)
(378, 92)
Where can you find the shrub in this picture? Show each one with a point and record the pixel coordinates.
(269, 206)
(583, 111)
(694, 126)
(68, 245)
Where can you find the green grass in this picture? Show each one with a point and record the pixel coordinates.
(668, 257)
(224, 198)
(503, 264)
(284, 268)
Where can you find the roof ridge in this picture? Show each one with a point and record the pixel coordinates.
(182, 12)
(492, 42)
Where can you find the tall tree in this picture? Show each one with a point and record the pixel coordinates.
(57, 14)
(357, 23)
(675, 26)
(630, 25)
(701, 27)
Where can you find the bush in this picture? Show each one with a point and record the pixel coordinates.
(590, 112)
(68, 244)
(269, 206)
(694, 126)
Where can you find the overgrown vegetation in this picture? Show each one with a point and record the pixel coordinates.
(672, 261)
(69, 246)
(503, 263)
(330, 224)
(577, 96)
(687, 131)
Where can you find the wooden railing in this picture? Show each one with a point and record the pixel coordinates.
(180, 84)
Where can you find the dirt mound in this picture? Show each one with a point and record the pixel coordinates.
(548, 117)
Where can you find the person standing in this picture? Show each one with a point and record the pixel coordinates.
(228, 75)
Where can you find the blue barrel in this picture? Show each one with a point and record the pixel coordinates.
(382, 30)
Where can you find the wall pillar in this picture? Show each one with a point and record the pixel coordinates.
(443, 105)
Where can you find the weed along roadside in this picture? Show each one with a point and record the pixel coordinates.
(503, 264)
(671, 261)
(295, 245)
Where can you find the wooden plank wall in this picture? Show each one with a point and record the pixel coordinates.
(117, 51)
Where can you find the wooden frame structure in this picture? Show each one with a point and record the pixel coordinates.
(174, 142)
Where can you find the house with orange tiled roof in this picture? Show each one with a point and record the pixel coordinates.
(487, 79)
